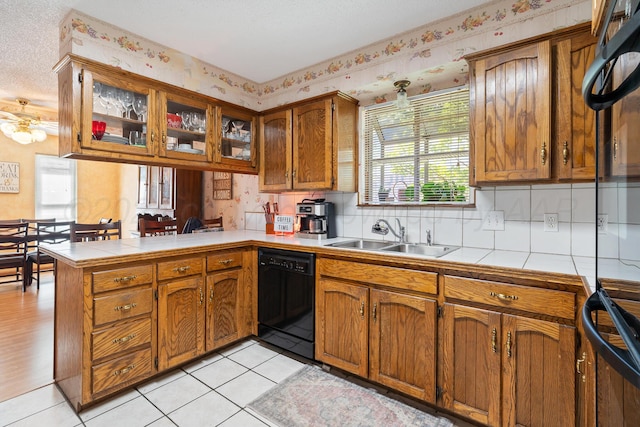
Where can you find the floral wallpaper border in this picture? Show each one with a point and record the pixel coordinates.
(430, 55)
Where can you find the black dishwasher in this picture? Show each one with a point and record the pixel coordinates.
(286, 294)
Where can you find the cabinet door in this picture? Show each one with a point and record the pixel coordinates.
(153, 191)
(625, 118)
(312, 146)
(165, 192)
(574, 155)
(124, 106)
(342, 325)
(236, 140)
(143, 186)
(618, 401)
(538, 359)
(512, 115)
(275, 146)
(180, 321)
(402, 343)
(224, 308)
(471, 363)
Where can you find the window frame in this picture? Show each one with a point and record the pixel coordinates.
(46, 164)
(365, 190)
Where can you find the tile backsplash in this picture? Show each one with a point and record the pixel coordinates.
(523, 208)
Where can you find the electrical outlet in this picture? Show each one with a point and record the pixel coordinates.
(494, 221)
(602, 223)
(550, 222)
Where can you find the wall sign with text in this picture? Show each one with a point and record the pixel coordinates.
(9, 177)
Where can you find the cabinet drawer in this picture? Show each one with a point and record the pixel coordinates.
(399, 278)
(130, 367)
(535, 300)
(121, 306)
(180, 268)
(224, 260)
(120, 338)
(119, 278)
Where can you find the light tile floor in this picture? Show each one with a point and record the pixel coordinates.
(212, 391)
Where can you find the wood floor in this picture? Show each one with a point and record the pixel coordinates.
(26, 337)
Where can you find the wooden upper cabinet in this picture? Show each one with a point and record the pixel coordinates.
(276, 147)
(574, 130)
(177, 127)
(312, 148)
(625, 118)
(512, 115)
(310, 145)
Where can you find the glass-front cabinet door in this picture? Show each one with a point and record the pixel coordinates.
(186, 128)
(236, 139)
(116, 115)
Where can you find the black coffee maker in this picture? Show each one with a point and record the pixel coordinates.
(315, 218)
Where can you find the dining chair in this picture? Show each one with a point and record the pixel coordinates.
(99, 231)
(213, 222)
(149, 227)
(50, 232)
(13, 251)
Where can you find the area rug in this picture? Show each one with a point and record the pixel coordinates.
(313, 397)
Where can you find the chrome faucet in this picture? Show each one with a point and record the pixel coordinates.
(379, 228)
(428, 237)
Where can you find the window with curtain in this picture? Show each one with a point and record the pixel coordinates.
(55, 188)
(417, 155)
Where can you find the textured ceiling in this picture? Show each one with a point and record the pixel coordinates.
(257, 39)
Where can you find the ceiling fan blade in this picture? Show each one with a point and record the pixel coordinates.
(8, 116)
(51, 128)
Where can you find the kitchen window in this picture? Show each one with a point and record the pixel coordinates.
(55, 188)
(417, 155)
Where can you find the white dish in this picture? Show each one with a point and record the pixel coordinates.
(115, 138)
(189, 150)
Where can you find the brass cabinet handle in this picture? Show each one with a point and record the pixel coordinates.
(124, 339)
(125, 278)
(125, 307)
(565, 152)
(509, 344)
(494, 337)
(225, 261)
(615, 148)
(124, 370)
(578, 370)
(153, 136)
(543, 153)
(182, 269)
(375, 311)
(164, 139)
(286, 174)
(503, 297)
(211, 295)
(362, 308)
(201, 296)
(293, 174)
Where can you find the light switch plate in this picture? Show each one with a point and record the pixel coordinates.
(551, 222)
(494, 221)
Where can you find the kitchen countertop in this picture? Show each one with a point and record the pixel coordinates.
(87, 253)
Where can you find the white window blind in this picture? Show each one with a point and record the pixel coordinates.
(417, 155)
(55, 188)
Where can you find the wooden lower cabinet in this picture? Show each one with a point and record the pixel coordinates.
(180, 321)
(224, 308)
(386, 336)
(501, 369)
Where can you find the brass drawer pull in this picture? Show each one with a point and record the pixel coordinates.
(125, 307)
(124, 339)
(494, 336)
(182, 269)
(503, 297)
(225, 261)
(125, 278)
(124, 370)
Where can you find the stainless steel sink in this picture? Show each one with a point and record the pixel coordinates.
(435, 251)
(370, 245)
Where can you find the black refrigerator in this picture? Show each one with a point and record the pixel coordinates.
(611, 315)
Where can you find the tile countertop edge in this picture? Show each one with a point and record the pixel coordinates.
(139, 249)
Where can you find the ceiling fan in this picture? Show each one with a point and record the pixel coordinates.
(24, 127)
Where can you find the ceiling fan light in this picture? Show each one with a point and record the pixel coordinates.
(22, 137)
(7, 129)
(38, 135)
